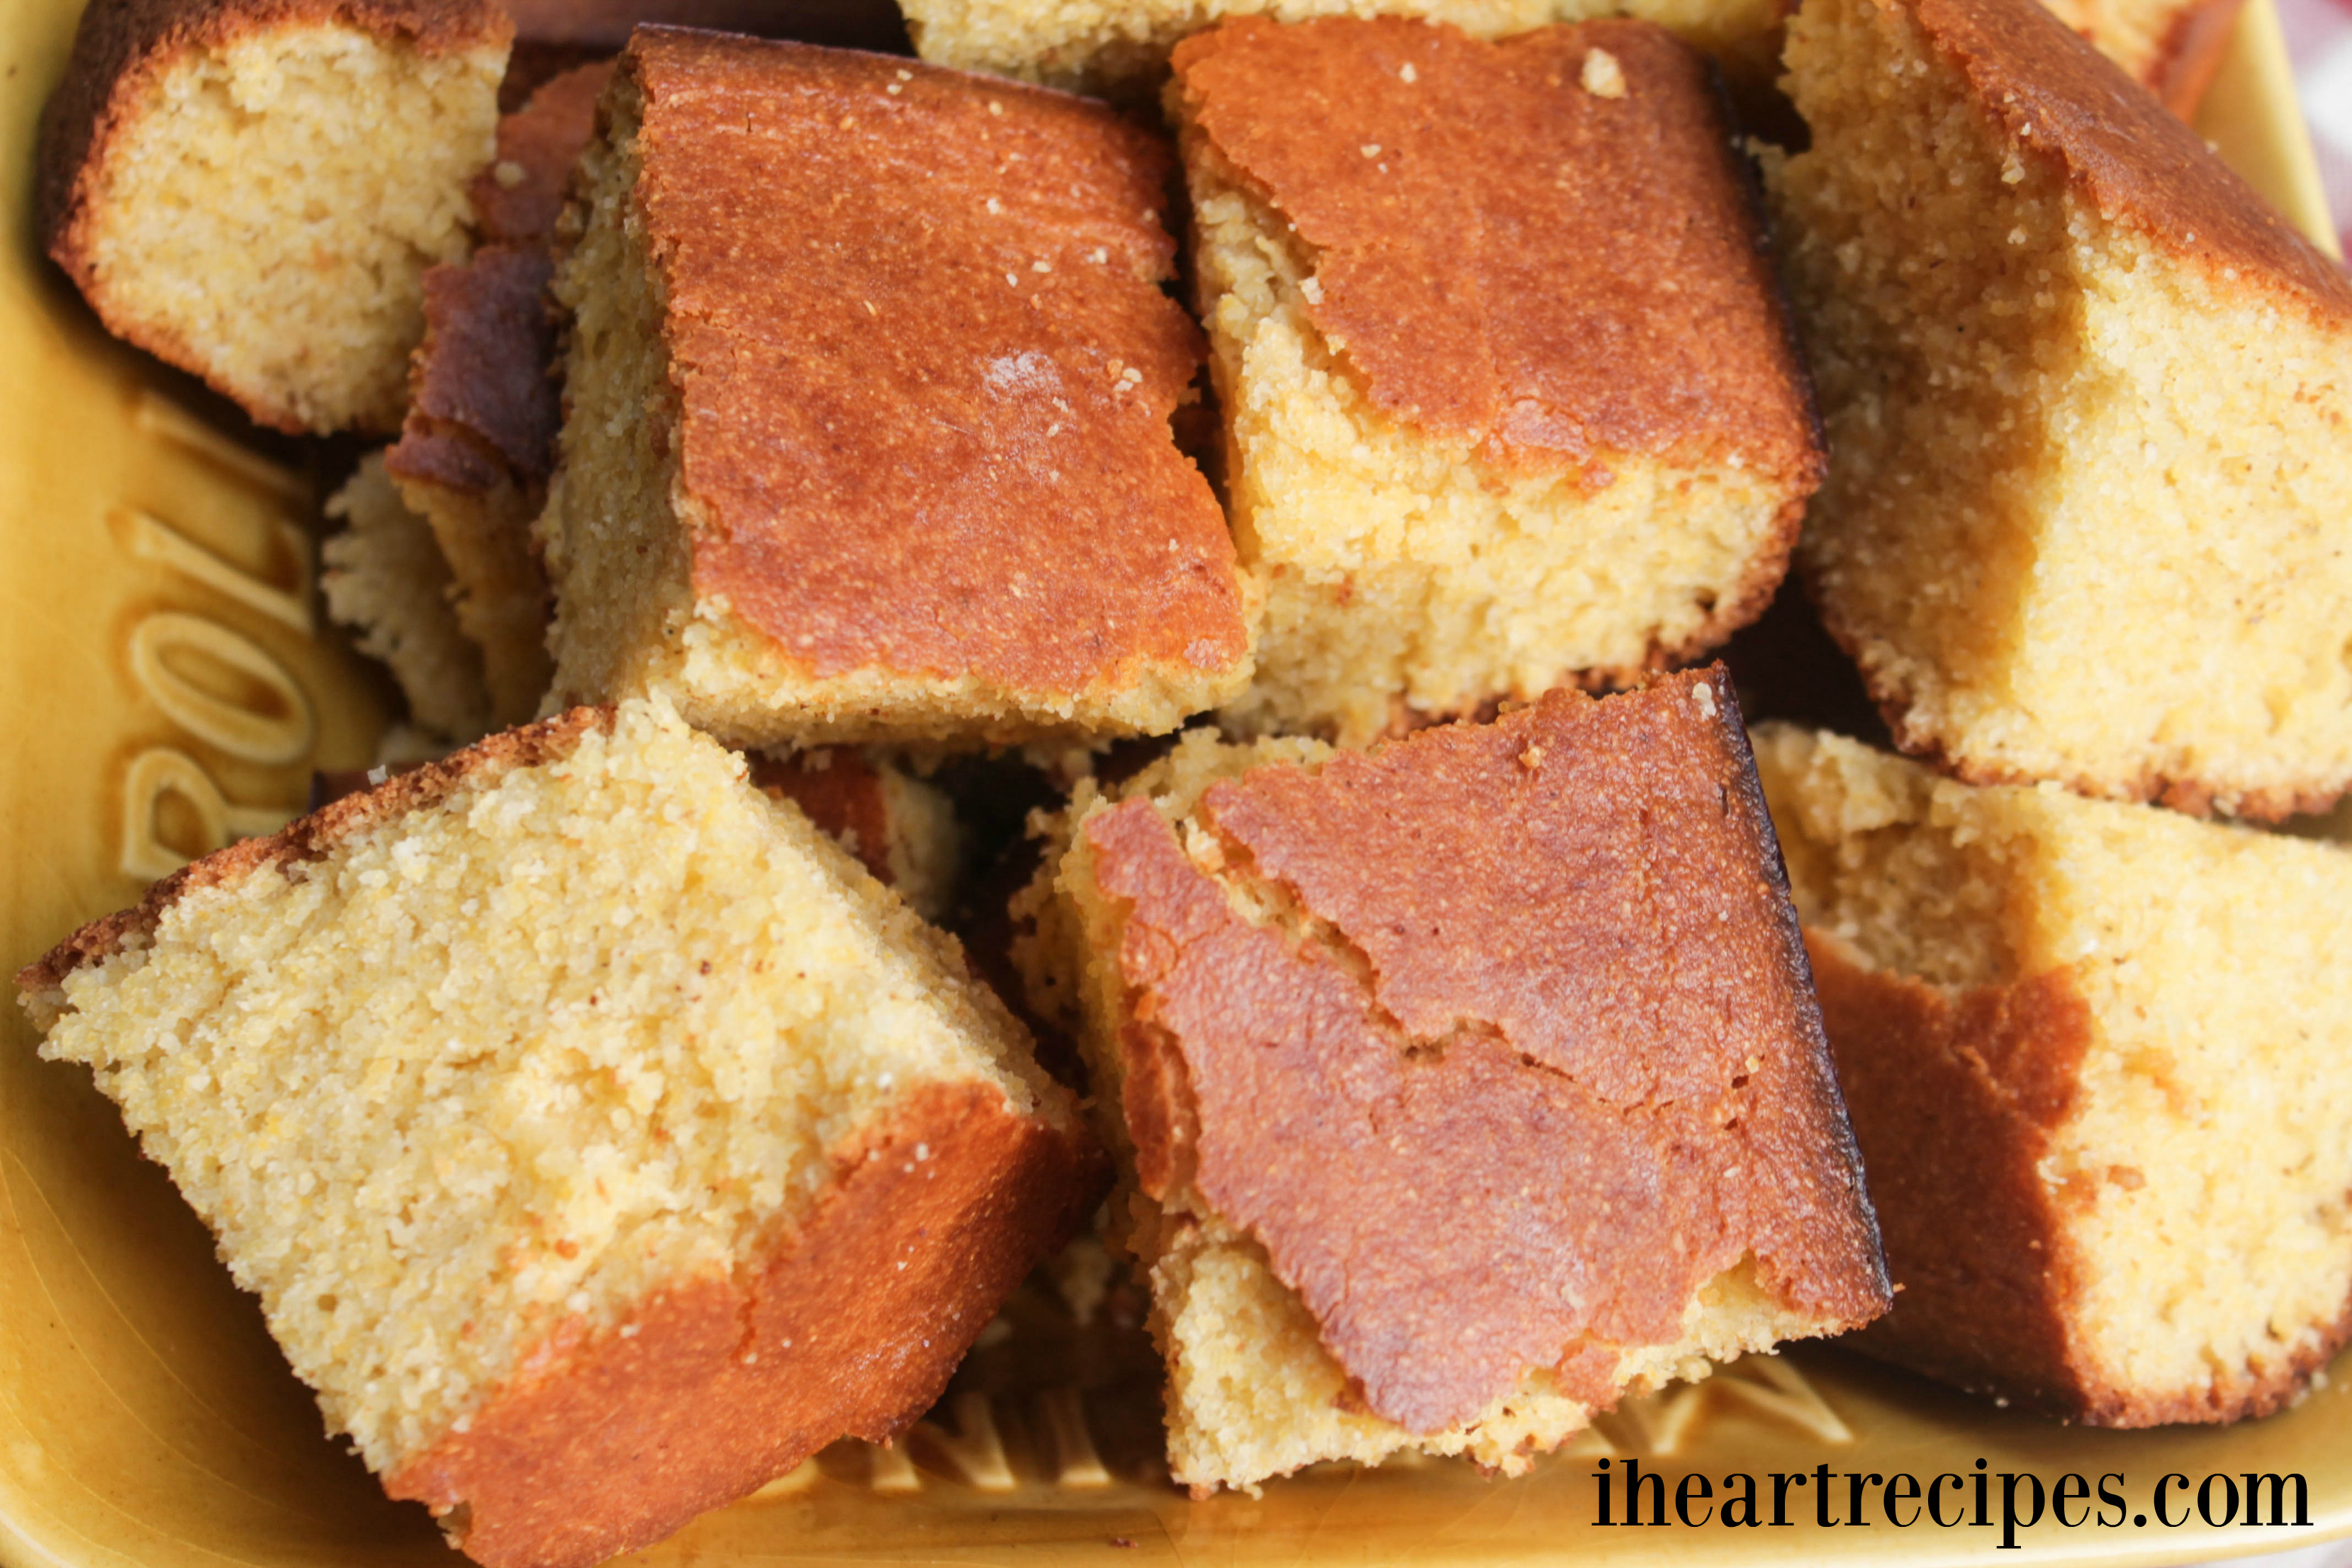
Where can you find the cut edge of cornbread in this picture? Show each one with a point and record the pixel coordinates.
(253, 191)
(1253, 1393)
(2059, 537)
(2093, 1053)
(608, 1166)
(618, 532)
(1407, 578)
(386, 578)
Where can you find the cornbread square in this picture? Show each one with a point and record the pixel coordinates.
(2099, 1060)
(868, 394)
(484, 406)
(1120, 48)
(386, 578)
(1509, 398)
(897, 824)
(1460, 1086)
(253, 189)
(671, 1147)
(2088, 402)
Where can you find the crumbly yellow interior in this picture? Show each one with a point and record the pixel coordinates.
(636, 1009)
(926, 847)
(273, 205)
(1397, 567)
(1120, 46)
(501, 595)
(2202, 1173)
(2084, 511)
(1252, 1392)
(386, 579)
(619, 525)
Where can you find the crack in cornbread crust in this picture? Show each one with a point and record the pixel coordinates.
(1269, 909)
(2092, 1052)
(986, 345)
(125, 53)
(2060, 539)
(1443, 500)
(717, 1384)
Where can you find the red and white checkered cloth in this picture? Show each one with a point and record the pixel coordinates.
(2319, 42)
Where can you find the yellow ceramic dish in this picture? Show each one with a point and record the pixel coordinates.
(163, 680)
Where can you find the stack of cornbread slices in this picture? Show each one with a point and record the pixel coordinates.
(789, 425)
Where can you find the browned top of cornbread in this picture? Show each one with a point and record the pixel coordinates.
(1505, 253)
(482, 407)
(1550, 1062)
(848, 1326)
(2056, 96)
(538, 144)
(314, 837)
(1954, 1094)
(122, 44)
(926, 366)
(842, 794)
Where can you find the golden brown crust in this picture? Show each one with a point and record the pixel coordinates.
(1954, 1096)
(539, 144)
(848, 1327)
(926, 369)
(1507, 257)
(315, 837)
(1548, 1063)
(2056, 97)
(120, 49)
(1953, 1099)
(483, 408)
(843, 794)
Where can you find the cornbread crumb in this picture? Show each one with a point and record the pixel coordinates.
(253, 191)
(386, 578)
(2095, 1055)
(1603, 76)
(671, 1112)
(2087, 400)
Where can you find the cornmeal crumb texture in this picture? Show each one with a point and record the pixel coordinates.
(676, 1147)
(386, 578)
(869, 390)
(2095, 1057)
(1493, 420)
(1479, 1073)
(252, 189)
(2087, 402)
